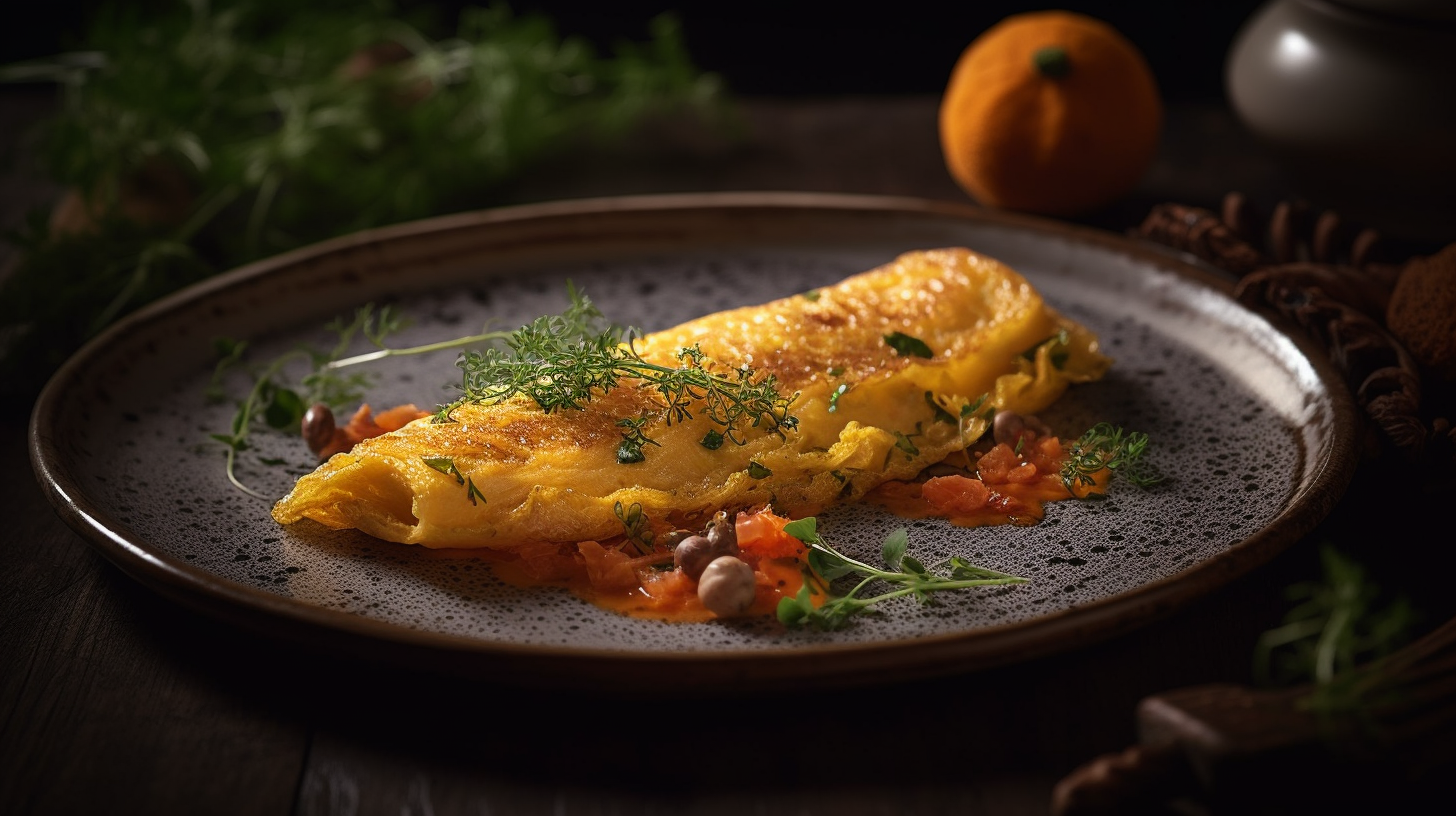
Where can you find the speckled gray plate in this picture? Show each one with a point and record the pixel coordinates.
(1256, 433)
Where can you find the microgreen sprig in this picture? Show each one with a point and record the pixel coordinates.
(902, 571)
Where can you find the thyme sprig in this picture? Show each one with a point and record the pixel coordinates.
(905, 573)
(1106, 447)
(563, 362)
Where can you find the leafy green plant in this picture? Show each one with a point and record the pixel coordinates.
(211, 134)
(1339, 624)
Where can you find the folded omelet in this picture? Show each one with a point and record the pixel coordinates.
(889, 371)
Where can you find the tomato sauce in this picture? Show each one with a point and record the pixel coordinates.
(613, 575)
(996, 484)
(1006, 485)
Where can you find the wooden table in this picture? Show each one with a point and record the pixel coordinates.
(116, 700)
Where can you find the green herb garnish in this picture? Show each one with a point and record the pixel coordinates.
(907, 346)
(565, 361)
(633, 439)
(1104, 447)
(906, 574)
(634, 523)
(274, 402)
(904, 443)
(446, 465)
(1058, 353)
(560, 361)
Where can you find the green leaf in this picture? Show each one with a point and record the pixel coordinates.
(805, 529)
(830, 564)
(472, 492)
(941, 415)
(757, 471)
(894, 546)
(907, 346)
(792, 612)
(285, 411)
(630, 452)
(906, 576)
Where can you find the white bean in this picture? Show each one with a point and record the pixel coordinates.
(727, 586)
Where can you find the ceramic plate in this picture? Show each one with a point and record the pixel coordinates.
(1253, 428)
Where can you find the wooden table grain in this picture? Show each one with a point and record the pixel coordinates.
(118, 701)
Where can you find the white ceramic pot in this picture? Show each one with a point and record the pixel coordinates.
(1357, 96)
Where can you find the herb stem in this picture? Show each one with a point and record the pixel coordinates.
(443, 345)
(938, 585)
(243, 420)
(204, 213)
(1329, 644)
(232, 458)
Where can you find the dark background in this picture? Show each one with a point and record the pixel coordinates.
(796, 49)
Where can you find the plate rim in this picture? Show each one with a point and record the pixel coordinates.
(854, 664)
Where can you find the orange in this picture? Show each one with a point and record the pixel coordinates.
(1050, 112)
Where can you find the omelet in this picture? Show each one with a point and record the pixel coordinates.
(883, 374)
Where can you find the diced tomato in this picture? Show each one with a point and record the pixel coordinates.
(995, 464)
(397, 417)
(1024, 473)
(608, 569)
(1047, 454)
(669, 585)
(364, 424)
(762, 535)
(1006, 504)
(955, 494)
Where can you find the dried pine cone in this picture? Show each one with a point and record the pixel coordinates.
(1329, 278)
(1422, 311)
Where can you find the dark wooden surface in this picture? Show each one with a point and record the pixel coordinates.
(115, 700)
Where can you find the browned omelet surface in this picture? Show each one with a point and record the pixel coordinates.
(555, 477)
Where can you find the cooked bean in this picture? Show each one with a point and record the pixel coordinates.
(317, 427)
(693, 554)
(723, 534)
(727, 586)
(1007, 427)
